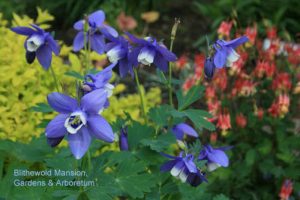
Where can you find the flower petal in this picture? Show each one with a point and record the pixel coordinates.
(30, 57)
(56, 127)
(189, 163)
(44, 56)
(220, 58)
(62, 103)
(97, 18)
(160, 62)
(168, 55)
(178, 167)
(219, 157)
(79, 25)
(78, 42)
(53, 44)
(22, 30)
(94, 101)
(209, 68)
(100, 128)
(167, 166)
(97, 43)
(109, 32)
(53, 142)
(236, 42)
(187, 129)
(79, 142)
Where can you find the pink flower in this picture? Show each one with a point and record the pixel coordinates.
(224, 28)
(241, 120)
(126, 23)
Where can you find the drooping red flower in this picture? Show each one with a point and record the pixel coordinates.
(282, 82)
(280, 106)
(251, 33)
(286, 189)
(220, 79)
(189, 82)
(199, 61)
(213, 137)
(241, 120)
(272, 32)
(224, 28)
(224, 121)
(181, 62)
(214, 107)
(243, 87)
(210, 93)
(259, 112)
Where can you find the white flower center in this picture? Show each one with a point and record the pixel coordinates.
(115, 54)
(146, 56)
(34, 42)
(232, 57)
(212, 166)
(75, 122)
(109, 89)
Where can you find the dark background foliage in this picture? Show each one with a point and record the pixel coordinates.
(201, 16)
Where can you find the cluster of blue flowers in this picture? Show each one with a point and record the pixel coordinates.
(80, 120)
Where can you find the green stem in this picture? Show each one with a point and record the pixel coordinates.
(89, 161)
(54, 78)
(173, 35)
(170, 78)
(143, 108)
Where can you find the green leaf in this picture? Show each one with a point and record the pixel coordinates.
(136, 133)
(41, 107)
(250, 157)
(197, 117)
(160, 114)
(221, 197)
(160, 143)
(192, 95)
(74, 74)
(161, 76)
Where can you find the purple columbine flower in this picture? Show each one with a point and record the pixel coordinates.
(215, 157)
(38, 44)
(96, 32)
(222, 53)
(148, 51)
(123, 141)
(183, 168)
(79, 122)
(180, 129)
(118, 50)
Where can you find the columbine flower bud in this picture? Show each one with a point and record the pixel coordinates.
(123, 141)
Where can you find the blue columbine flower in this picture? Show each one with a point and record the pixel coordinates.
(222, 53)
(80, 122)
(180, 129)
(215, 157)
(123, 141)
(38, 44)
(183, 168)
(118, 51)
(96, 32)
(100, 81)
(148, 51)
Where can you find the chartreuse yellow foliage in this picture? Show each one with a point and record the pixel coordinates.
(23, 85)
